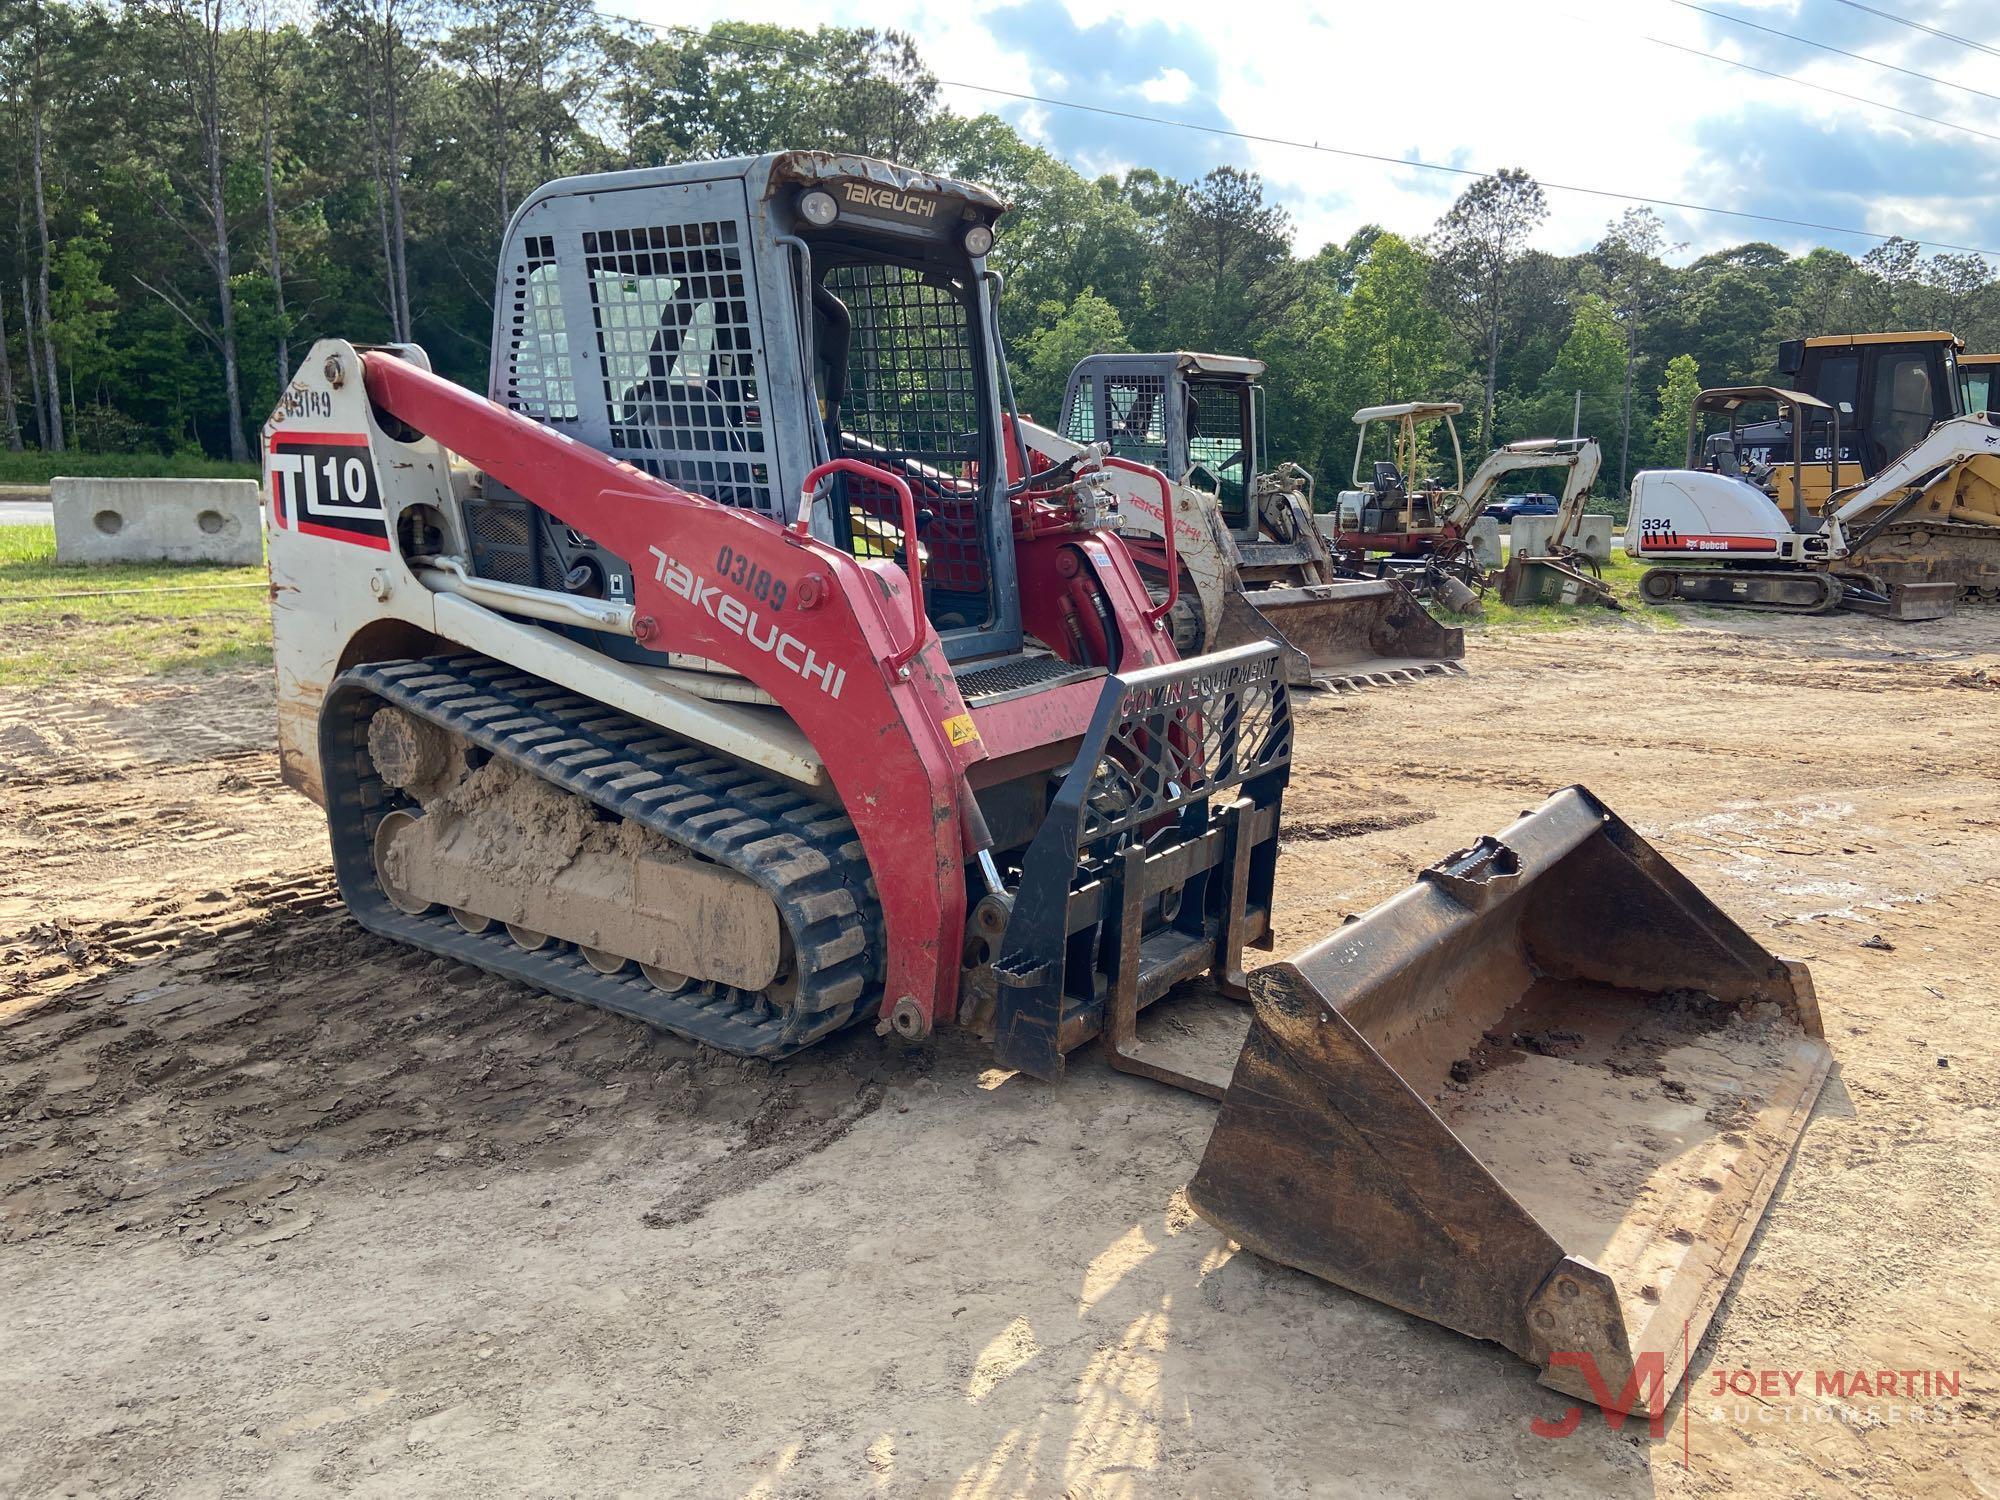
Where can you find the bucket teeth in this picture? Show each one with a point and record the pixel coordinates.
(1348, 635)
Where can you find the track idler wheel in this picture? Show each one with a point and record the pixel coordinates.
(385, 835)
(1656, 586)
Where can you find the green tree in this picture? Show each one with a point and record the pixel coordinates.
(1224, 270)
(1591, 362)
(1674, 411)
(1395, 344)
(1089, 325)
(1637, 284)
(1065, 233)
(1477, 246)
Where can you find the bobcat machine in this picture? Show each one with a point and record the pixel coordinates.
(1398, 518)
(726, 667)
(1889, 391)
(1250, 565)
(1718, 534)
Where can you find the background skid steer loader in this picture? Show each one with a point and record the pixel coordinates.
(1541, 1097)
(1251, 566)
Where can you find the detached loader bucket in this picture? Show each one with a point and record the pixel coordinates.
(1351, 634)
(1540, 1097)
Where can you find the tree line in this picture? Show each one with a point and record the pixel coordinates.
(199, 188)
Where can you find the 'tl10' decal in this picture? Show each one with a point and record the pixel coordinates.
(323, 484)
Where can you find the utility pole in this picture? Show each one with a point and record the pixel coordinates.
(1576, 417)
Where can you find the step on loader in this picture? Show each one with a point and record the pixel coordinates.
(1250, 566)
(724, 666)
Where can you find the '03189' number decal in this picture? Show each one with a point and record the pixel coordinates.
(745, 574)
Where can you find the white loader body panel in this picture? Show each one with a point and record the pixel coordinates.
(1693, 513)
(335, 487)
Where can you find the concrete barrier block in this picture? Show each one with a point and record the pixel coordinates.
(1484, 539)
(158, 520)
(1529, 535)
(1532, 533)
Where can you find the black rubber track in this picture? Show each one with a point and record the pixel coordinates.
(1717, 578)
(802, 852)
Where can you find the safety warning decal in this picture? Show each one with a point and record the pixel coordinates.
(959, 730)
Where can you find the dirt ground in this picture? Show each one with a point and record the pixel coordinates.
(282, 1208)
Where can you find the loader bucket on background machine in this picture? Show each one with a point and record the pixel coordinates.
(1541, 1097)
(1345, 635)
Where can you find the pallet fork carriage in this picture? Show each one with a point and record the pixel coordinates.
(731, 665)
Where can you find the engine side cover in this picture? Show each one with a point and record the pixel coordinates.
(1694, 513)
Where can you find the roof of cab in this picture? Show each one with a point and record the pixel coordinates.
(1729, 397)
(1856, 340)
(1422, 411)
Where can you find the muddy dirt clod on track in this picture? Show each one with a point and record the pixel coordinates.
(285, 1208)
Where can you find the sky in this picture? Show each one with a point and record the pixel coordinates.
(1590, 94)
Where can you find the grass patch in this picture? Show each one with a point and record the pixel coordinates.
(36, 467)
(1622, 573)
(217, 616)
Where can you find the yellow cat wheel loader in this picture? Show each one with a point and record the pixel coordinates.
(729, 665)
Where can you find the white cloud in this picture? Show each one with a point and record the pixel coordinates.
(1172, 86)
(1578, 93)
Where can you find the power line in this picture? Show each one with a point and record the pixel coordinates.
(1894, 109)
(1949, 36)
(1398, 161)
(1806, 41)
(1393, 161)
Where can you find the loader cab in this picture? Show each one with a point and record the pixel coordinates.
(1889, 388)
(728, 326)
(1198, 417)
(1978, 390)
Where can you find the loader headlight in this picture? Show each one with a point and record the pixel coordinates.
(977, 240)
(818, 208)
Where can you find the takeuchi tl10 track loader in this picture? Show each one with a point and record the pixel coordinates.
(727, 667)
(1249, 564)
(1720, 534)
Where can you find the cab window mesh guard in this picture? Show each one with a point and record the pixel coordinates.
(913, 402)
(679, 353)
